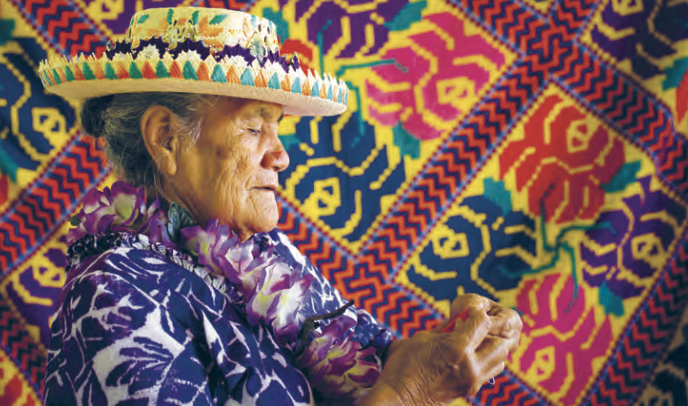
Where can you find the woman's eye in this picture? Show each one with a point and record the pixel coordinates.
(254, 131)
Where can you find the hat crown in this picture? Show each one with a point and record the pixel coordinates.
(198, 50)
(214, 27)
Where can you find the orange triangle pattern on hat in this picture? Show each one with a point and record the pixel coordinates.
(198, 50)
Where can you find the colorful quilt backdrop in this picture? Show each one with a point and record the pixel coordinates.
(533, 151)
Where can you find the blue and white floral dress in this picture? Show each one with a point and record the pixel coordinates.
(144, 321)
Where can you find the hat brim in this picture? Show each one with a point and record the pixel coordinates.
(294, 103)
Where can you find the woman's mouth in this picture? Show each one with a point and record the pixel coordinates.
(268, 188)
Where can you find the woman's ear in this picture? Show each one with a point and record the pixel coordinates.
(160, 139)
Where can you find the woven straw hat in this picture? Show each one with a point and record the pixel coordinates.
(198, 50)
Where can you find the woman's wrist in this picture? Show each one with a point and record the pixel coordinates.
(381, 394)
(384, 394)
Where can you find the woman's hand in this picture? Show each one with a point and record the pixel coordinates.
(505, 322)
(434, 368)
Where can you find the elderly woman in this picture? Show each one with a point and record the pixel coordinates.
(182, 291)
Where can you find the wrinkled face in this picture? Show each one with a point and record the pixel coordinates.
(230, 173)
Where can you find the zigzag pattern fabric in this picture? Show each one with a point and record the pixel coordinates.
(532, 151)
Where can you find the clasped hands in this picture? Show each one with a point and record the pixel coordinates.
(435, 367)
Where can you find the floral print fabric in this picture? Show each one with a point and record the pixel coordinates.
(141, 321)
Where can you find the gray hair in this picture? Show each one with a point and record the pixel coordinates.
(117, 119)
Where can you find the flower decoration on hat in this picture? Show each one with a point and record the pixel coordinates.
(150, 51)
(257, 46)
(172, 36)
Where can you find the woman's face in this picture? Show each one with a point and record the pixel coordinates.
(230, 173)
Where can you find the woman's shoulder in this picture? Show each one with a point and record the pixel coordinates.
(118, 264)
(117, 254)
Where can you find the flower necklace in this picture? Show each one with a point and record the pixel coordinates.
(270, 291)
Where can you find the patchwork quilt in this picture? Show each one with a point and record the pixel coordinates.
(532, 151)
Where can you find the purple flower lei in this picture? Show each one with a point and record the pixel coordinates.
(120, 209)
(270, 291)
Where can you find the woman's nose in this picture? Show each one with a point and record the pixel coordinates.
(277, 158)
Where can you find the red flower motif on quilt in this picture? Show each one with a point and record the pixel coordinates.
(435, 78)
(561, 341)
(563, 161)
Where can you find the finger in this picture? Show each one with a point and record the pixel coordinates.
(509, 325)
(468, 300)
(500, 326)
(506, 323)
(473, 328)
(493, 308)
(492, 352)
